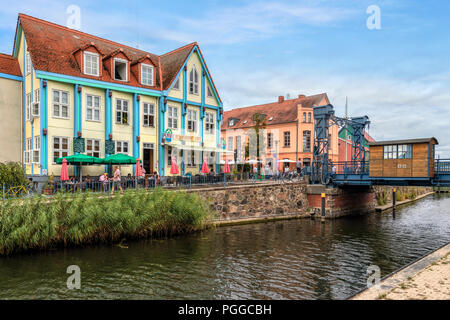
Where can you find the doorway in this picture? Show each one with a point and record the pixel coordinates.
(148, 157)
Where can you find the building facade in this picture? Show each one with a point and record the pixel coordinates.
(345, 143)
(86, 94)
(286, 135)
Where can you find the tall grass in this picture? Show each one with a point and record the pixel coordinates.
(68, 220)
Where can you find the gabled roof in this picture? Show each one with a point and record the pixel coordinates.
(9, 65)
(52, 49)
(408, 141)
(367, 136)
(281, 112)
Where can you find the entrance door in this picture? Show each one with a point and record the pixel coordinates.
(148, 160)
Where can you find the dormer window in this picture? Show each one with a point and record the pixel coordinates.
(91, 64)
(147, 74)
(193, 81)
(232, 122)
(120, 69)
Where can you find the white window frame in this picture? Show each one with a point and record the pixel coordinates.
(93, 151)
(27, 63)
(172, 117)
(230, 144)
(209, 92)
(60, 104)
(28, 106)
(176, 85)
(28, 151)
(192, 120)
(191, 158)
(149, 113)
(36, 104)
(92, 55)
(209, 122)
(37, 149)
(152, 71)
(122, 145)
(126, 71)
(193, 81)
(93, 108)
(60, 150)
(122, 111)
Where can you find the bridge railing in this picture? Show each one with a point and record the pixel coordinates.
(442, 166)
(350, 167)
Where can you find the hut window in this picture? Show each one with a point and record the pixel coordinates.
(404, 151)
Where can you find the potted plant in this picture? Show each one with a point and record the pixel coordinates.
(235, 172)
(49, 186)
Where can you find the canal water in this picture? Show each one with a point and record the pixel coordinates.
(296, 259)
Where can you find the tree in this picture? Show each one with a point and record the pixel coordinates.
(260, 124)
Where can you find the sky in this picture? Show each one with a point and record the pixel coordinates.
(397, 74)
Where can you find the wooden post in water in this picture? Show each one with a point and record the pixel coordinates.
(394, 199)
(323, 208)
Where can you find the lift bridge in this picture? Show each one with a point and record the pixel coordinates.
(397, 163)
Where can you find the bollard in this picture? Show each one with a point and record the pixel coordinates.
(394, 199)
(323, 207)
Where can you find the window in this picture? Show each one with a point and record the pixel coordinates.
(92, 108)
(122, 147)
(304, 116)
(209, 122)
(60, 147)
(169, 155)
(238, 147)
(269, 140)
(232, 122)
(28, 150)
(36, 103)
(176, 85)
(60, 104)
(147, 74)
(287, 138)
(120, 69)
(390, 152)
(309, 116)
(91, 64)
(230, 143)
(36, 149)
(28, 63)
(93, 147)
(191, 158)
(149, 114)
(306, 141)
(121, 111)
(193, 81)
(28, 107)
(172, 117)
(192, 121)
(404, 151)
(209, 92)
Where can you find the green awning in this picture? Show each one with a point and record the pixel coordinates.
(78, 159)
(119, 158)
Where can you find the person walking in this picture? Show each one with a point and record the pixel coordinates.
(116, 180)
(299, 166)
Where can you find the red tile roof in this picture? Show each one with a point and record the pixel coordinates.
(52, 49)
(9, 65)
(281, 112)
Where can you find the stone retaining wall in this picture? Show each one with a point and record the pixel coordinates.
(257, 201)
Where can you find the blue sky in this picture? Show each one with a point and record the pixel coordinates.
(256, 50)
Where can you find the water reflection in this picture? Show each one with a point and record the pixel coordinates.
(297, 259)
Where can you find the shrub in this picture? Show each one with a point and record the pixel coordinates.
(382, 198)
(12, 174)
(83, 218)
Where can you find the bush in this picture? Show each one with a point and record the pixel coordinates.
(12, 174)
(382, 198)
(65, 220)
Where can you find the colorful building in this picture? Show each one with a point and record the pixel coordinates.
(288, 134)
(86, 94)
(345, 143)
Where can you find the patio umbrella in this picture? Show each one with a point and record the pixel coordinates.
(119, 158)
(79, 159)
(226, 168)
(205, 168)
(174, 167)
(64, 171)
(138, 171)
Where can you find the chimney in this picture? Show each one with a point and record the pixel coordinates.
(301, 96)
(280, 99)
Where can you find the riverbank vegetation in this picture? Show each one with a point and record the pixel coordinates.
(70, 220)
